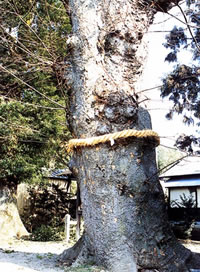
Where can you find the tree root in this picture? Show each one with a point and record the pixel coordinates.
(79, 254)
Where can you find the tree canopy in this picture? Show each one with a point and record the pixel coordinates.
(32, 99)
(181, 86)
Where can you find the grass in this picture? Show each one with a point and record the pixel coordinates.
(85, 268)
(39, 257)
(49, 255)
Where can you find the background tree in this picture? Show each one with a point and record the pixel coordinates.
(181, 86)
(32, 101)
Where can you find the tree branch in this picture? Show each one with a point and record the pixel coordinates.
(189, 28)
(32, 88)
(30, 104)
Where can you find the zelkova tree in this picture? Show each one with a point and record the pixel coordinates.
(126, 226)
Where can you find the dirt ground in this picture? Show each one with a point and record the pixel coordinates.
(29, 256)
(194, 246)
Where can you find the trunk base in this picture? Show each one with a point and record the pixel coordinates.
(81, 254)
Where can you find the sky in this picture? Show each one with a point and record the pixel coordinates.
(155, 69)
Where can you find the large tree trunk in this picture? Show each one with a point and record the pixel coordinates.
(125, 219)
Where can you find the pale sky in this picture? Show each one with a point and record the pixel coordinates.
(154, 70)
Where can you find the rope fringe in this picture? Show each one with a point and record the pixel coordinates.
(74, 143)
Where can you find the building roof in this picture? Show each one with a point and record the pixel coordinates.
(188, 166)
(185, 182)
(60, 174)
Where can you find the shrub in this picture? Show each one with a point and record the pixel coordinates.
(183, 229)
(47, 233)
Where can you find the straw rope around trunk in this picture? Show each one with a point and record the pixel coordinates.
(74, 143)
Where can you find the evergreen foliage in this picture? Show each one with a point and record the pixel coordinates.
(181, 86)
(32, 100)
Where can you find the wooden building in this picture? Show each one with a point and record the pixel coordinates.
(183, 179)
(181, 184)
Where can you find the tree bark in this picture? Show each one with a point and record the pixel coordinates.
(126, 227)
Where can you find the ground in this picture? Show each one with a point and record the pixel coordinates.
(29, 256)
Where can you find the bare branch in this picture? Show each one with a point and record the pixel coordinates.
(182, 21)
(172, 164)
(23, 48)
(32, 88)
(189, 27)
(31, 29)
(30, 104)
(149, 89)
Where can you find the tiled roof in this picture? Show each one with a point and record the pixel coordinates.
(60, 174)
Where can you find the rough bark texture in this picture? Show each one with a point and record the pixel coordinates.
(126, 227)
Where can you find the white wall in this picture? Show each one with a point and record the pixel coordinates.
(198, 197)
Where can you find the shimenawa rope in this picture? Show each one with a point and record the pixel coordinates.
(111, 137)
